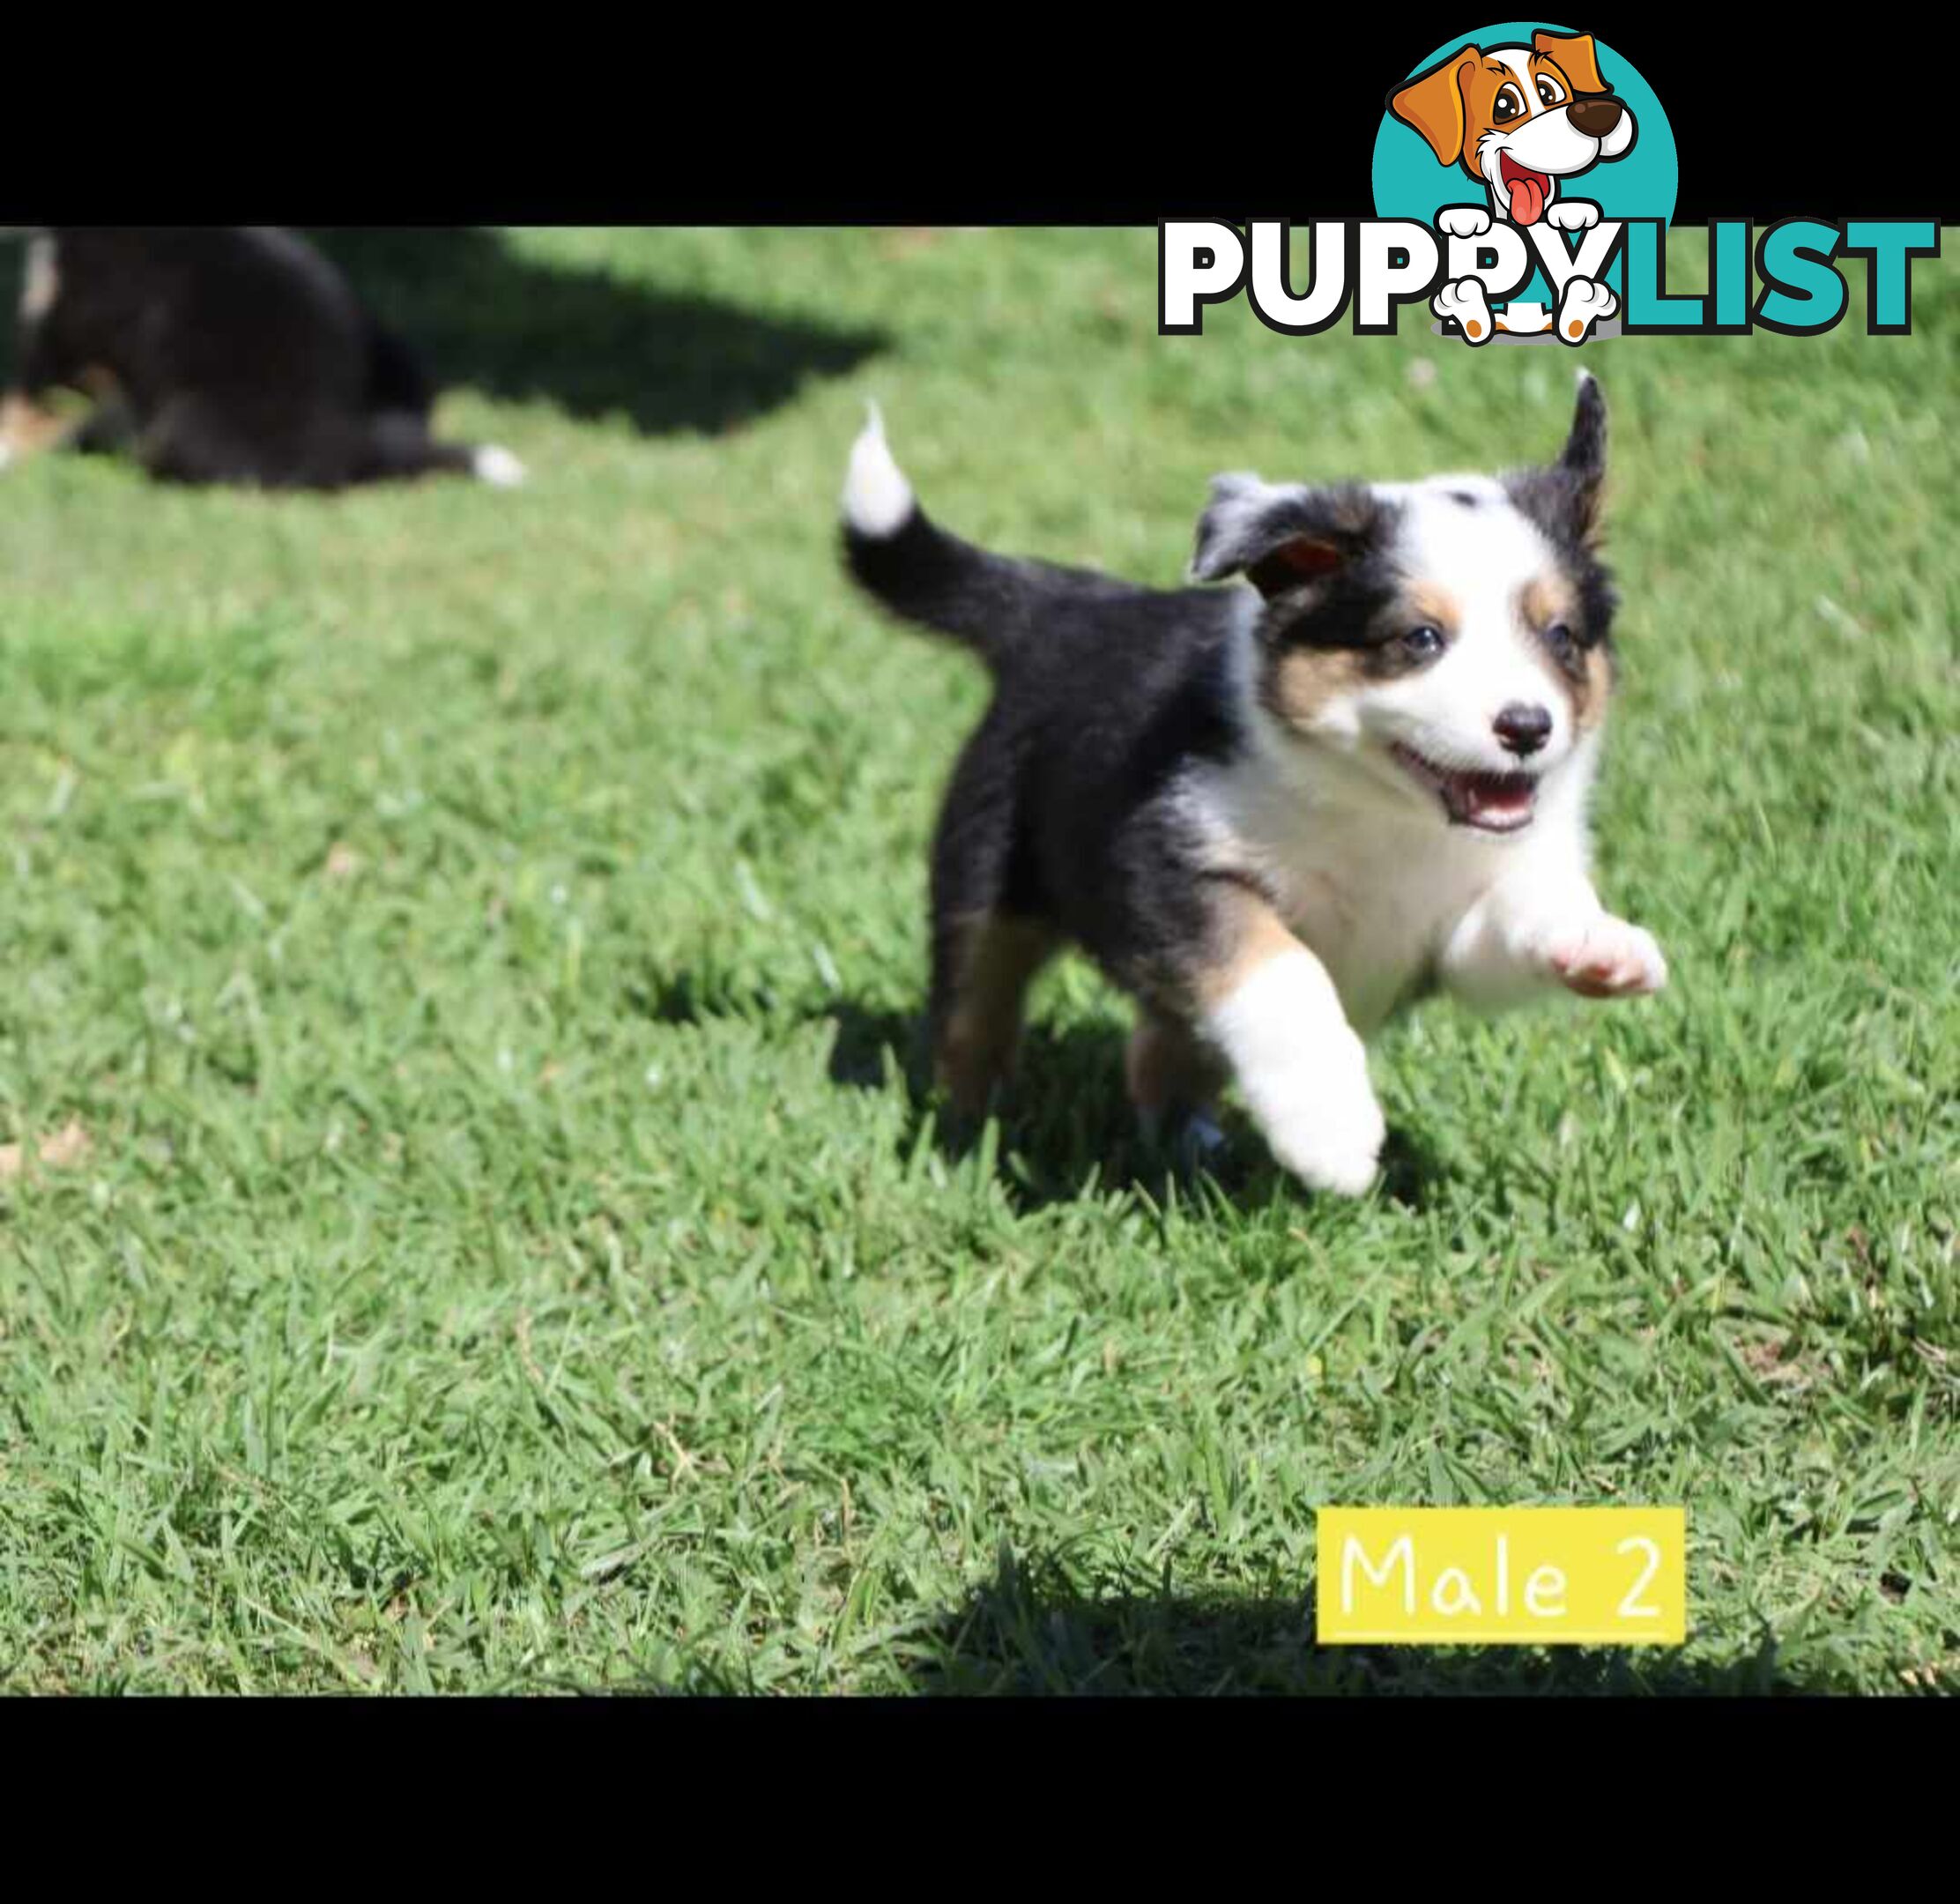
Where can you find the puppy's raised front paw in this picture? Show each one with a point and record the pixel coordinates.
(1465, 301)
(1572, 214)
(1607, 959)
(1584, 304)
(1463, 221)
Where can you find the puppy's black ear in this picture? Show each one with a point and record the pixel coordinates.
(1566, 499)
(1282, 537)
(1584, 452)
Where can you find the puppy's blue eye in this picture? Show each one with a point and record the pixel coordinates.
(1423, 641)
(1562, 639)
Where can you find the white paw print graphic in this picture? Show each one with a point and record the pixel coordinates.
(1572, 214)
(1465, 301)
(1463, 221)
(1582, 305)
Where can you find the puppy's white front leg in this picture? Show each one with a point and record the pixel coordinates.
(1525, 935)
(1302, 1069)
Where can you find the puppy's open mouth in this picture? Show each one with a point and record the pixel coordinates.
(1490, 802)
(1528, 189)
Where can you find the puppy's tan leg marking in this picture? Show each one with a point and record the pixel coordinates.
(995, 959)
(1248, 933)
(26, 426)
(1169, 1067)
(1269, 1009)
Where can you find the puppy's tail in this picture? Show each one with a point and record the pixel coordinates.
(905, 561)
(398, 446)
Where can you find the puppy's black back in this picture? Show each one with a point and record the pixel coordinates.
(250, 312)
(1105, 692)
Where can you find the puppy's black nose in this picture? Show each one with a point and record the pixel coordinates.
(1523, 728)
(1595, 117)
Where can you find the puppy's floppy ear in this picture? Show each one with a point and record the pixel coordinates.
(1278, 538)
(1577, 54)
(1432, 102)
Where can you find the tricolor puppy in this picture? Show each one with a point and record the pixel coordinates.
(1519, 119)
(220, 354)
(1273, 814)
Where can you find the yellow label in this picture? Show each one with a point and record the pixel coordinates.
(1503, 1576)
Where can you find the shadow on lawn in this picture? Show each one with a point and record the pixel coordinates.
(1065, 1119)
(1035, 1633)
(592, 344)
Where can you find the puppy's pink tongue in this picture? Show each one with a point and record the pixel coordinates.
(1527, 200)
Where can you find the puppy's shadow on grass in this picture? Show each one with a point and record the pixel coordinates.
(1031, 1630)
(593, 344)
(1065, 1124)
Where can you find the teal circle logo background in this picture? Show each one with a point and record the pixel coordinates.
(1409, 183)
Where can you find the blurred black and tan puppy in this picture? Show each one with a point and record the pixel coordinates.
(221, 354)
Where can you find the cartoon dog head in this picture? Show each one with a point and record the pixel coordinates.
(1519, 118)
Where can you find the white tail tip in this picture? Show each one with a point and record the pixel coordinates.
(497, 466)
(877, 497)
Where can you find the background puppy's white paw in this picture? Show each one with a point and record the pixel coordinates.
(1465, 301)
(1585, 301)
(1607, 958)
(1572, 214)
(1463, 221)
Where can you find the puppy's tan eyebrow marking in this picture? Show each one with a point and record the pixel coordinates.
(1436, 604)
(1544, 601)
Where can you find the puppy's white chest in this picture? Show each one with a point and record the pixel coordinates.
(1373, 897)
(1376, 908)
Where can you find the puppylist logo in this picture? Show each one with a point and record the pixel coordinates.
(1524, 179)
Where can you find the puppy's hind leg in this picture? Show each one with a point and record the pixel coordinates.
(989, 936)
(1174, 1080)
(982, 964)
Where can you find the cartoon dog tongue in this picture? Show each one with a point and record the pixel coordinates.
(1528, 194)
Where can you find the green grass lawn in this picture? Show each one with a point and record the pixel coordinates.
(464, 950)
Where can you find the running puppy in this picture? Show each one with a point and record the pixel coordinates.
(1274, 814)
(221, 354)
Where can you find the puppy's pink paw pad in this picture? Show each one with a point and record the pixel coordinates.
(1610, 959)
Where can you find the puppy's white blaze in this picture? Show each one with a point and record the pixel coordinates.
(1519, 59)
(496, 465)
(41, 283)
(877, 497)
(1302, 1071)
